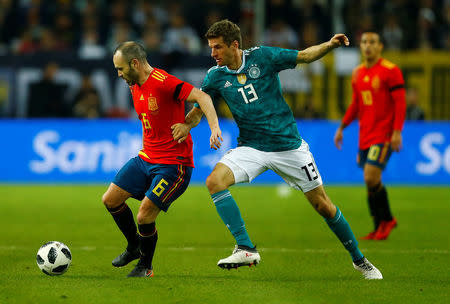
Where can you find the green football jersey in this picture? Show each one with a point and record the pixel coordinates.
(253, 94)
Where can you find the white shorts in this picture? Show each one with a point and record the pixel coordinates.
(296, 167)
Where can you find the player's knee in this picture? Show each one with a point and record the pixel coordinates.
(146, 216)
(325, 209)
(147, 213)
(141, 217)
(371, 181)
(214, 184)
(322, 203)
(107, 200)
(329, 211)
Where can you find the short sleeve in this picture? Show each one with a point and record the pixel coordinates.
(279, 58)
(179, 90)
(395, 79)
(208, 88)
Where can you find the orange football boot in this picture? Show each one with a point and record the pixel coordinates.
(385, 229)
(370, 236)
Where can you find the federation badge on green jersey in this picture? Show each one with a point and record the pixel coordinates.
(254, 71)
(242, 78)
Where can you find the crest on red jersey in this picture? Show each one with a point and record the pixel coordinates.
(152, 104)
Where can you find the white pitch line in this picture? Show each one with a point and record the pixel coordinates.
(280, 250)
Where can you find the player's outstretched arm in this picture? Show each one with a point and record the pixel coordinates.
(318, 51)
(206, 105)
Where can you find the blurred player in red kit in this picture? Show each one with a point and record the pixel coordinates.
(378, 101)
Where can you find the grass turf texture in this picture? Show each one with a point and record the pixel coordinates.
(302, 261)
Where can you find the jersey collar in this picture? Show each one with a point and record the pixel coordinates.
(149, 80)
(376, 63)
(242, 65)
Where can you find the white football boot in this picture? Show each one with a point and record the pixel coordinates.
(369, 271)
(240, 257)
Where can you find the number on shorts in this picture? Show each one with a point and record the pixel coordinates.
(159, 189)
(374, 151)
(310, 170)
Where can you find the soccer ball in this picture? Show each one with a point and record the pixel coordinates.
(54, 258)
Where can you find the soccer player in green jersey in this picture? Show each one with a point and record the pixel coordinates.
(268, 136)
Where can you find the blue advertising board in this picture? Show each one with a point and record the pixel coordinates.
(92, 151)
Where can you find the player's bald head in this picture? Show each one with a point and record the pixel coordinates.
(131, 50)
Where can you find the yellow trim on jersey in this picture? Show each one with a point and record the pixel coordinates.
(143, 154)
(388, 64)
(157, 73)
(158, 76)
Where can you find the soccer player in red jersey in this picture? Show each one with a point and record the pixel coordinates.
(162, 170)
(379, 102)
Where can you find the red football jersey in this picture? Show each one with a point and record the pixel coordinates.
(159, 103)
(379, 102)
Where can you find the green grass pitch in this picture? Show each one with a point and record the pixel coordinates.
(302, 261)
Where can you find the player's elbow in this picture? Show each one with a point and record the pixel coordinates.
(204, 99)
(303, 57)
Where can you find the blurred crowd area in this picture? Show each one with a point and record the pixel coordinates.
(91, 30)
(95, 27)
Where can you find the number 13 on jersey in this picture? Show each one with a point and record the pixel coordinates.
(250, 91)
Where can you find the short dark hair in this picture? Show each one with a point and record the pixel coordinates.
(374, 31)
(226, 29)
(132, 50)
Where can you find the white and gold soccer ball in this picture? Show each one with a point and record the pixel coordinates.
(54, 258)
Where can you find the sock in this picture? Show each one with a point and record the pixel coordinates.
(374, 210)
(378, 197)
(148, 236)
(123, 216)
(383, 202)
(339, 225)
(231, 216)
